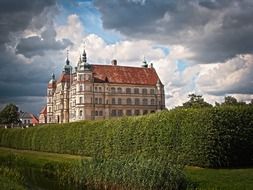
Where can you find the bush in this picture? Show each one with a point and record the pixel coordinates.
(208, 137)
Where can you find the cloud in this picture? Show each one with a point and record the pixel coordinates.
(213, 30)
(38, 45)
(16, 16)
(232, 77)
(21, 78)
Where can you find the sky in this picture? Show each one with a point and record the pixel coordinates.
(196, 46)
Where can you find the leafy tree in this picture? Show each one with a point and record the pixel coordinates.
(196, 101)
(231, 101)
(9, 114)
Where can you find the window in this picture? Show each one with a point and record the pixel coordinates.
(119, 90)
(119, 101)
(100, 113)
(136, 112)
(100, 89)
(96, 88)
(28, 121)
(136, 90)
(81, 113)
(144, 91)
(96, 100)
(145, 112)
(129, 101)
(113, 90)
(128, 90)
(24, 121)
(80, 88)
(80, 100)
(137, 101)
(96, 113)
(114, 113)
(120, 112)
(50, 110)
(152, 91)
(113, 101)
(145, 101)
(152, 101)
(129, 112)
(100, 100)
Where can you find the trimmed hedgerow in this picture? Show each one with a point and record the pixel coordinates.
(209, 137)
(127, 173)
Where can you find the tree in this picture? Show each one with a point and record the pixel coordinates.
(9, 114)
(196, 101)
(231, 101)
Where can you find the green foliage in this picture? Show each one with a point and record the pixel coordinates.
(196, 101)
(127, 173)
(9, 114)
(230, 101)
(208, 137)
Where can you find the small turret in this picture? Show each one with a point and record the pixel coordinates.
(67, 67)
(84, 56)
(145, 64)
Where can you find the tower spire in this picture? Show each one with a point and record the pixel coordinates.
(84, 56)
(67, 58)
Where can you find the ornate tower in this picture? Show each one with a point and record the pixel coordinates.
(50, 99)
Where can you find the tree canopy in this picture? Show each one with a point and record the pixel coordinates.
(9, 114)
(196, 101)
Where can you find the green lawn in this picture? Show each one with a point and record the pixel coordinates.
(200, 178)
(229, 179)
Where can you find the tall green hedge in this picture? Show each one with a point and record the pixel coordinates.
(208, 137)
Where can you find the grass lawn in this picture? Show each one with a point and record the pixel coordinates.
(229, 179)
(201, 178)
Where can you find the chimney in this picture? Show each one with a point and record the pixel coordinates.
(114, 62)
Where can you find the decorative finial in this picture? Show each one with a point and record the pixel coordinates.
(84, 57)
(53, 76)
(144, 62)
(67, 59)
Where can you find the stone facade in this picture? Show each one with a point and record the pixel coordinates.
(91, 91)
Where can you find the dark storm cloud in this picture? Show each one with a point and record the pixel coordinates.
(25, 80)
(214, 30)
(16, 15)
(37, 45)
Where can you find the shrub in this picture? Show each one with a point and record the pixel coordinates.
(209, 137)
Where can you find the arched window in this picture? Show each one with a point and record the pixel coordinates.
(145, 101)
(113, 90)
(80, 100)
(137, 101)
(113, 101)
(119, 90)
(81, 113)
(119, 101)
(136, 90)
(80, 88)
(128, 90)
(144, 91)
(129, 101)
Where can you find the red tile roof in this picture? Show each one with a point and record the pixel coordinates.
(44, 110)
(64, 78)
(34, 119)
(125, 74)
(119, 75)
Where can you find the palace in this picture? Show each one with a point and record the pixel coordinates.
(91, 91)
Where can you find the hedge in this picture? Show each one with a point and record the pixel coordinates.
(207, 137)
(127, 173)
